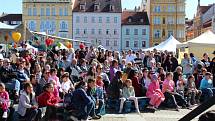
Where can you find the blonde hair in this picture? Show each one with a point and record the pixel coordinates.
(2, 85)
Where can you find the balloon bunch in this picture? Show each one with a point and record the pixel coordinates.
(69, 45)
(49, 41)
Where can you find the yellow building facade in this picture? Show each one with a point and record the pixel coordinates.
(167, 17)
(51, 16)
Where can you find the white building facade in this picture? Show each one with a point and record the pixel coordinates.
(100, 25)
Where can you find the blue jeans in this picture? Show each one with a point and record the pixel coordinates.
(88, 110)
(208, 93)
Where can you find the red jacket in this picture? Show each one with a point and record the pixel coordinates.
(137, 86)
(47, 99)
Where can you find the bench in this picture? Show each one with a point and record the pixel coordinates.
(128, 104)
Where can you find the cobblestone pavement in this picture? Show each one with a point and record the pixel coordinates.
(160, 115)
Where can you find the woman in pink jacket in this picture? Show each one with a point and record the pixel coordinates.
(154, 92)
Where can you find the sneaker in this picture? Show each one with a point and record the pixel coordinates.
(4, 115)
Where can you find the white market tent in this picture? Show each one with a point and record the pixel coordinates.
(4, 26)
(169, 45)
(205, 43)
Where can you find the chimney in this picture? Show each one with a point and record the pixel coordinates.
(198, 2)
(135, 9)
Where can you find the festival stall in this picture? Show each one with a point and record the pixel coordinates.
(205, 43)
(169, 45)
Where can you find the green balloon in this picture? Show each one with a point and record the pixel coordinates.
(58, 44)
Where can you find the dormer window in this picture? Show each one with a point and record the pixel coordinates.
(111, 8)
(141, 20)
(96, 7)
(82, 6)
(129, 19)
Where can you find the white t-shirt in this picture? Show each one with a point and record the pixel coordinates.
(66, 86)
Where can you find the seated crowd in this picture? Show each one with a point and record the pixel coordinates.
(83, 81)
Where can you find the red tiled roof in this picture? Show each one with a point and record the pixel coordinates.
(135, 18)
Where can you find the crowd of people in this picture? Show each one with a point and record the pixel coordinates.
(84, 79)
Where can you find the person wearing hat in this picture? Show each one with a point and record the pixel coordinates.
(66, 84)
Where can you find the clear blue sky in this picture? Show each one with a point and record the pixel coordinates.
(15, 6)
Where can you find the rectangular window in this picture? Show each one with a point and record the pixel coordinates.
(93, 20)
(77, 19)
(156, 34)
(135, 44)
(29, 12)
(143, 31)
(135, 31)
(107, 19)
(34, 11)
(85, 19)
(107, 43)
(170, 20)
(61, 11)
(53, 12)
(77, 31)
(85, 31)
(107, 31)
(115, 19)
(93, 31)
(127, 44)
(42, 11)
(115, 43)
(127, 32)
(156, 20)
(170, 32)
(65, 11)
(100, 31)
(47, 11)
(115, 32)
(100, 19)
(143, 43)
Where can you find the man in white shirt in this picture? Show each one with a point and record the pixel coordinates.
(130, 57)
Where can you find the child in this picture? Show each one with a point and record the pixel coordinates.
(168, 90)
(4, 101)
(128, 94)
(49, 100)
(99, 81)
(206, 86)
(193, 93)
(53, 76)
(154, 92)
(180, 85)
(66, 84)
(56, 90)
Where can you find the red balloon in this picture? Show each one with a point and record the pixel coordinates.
(49, 41)
(81, 46)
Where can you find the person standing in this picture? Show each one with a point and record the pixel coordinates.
(213, 68)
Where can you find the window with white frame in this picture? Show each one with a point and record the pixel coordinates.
(107, 31)
(53, 11)
(29, 12)
(32, 25)
(42, 25)
(180, 33)
(157, 9)
(64, 26)
(107, 19)
(157, 20)
(85, 31)
(100, 19)
(61, 11)
(42, 11)
(34, 11)
(126, 43)
(143, 43)
(135, 31)
(143, 31)
(170, 32)
(135, 44)
(85, 19)
(93, 19)
(115, 43)
(115, 32)
(77, 19)
(93, 31)
(115, 19)
(170, 20)
(157, 33)
(100, 31)
(65, 11)
(107, 43)
(47, 11)
(127, 31)
(77, 31)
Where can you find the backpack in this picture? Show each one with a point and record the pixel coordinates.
(67, 102)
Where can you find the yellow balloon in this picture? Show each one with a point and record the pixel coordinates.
(16, 36)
